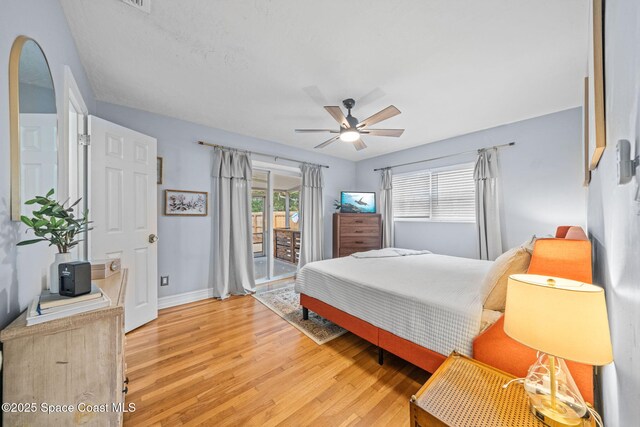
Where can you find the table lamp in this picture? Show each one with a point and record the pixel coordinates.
(562, 319)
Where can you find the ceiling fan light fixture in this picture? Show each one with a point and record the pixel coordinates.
(351, 129)
(349, 135)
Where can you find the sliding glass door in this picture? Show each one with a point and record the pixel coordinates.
(260, 224)
(276, 239)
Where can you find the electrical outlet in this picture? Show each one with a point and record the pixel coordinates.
(164, 280)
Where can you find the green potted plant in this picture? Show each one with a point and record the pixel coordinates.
(54, 222)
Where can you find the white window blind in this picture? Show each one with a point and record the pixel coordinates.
(438, 195)
(412, 195)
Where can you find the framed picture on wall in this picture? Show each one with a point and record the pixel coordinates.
(159, 169)
(596, 134)
(186, 203)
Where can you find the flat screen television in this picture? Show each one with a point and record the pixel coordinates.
(357, 202)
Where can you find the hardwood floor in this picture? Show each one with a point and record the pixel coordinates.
(237, 363)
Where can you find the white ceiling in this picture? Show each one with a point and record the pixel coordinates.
(262, 68)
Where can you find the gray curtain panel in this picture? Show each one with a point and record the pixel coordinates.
(487, 204)
(311, 215)
(232, 237)
(386, 207)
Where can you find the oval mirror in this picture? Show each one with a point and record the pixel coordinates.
(33, 121)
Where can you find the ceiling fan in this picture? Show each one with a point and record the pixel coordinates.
(352, 130)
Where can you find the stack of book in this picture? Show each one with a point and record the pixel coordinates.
(50, 306)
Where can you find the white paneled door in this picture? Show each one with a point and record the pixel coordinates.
(123, 200)
(38, 156)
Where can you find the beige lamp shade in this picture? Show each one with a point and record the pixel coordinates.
(559, 317)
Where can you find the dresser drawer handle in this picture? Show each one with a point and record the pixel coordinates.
(359, 241)
(125, 390)
(126, 380)
(359, 221)
(359, 231)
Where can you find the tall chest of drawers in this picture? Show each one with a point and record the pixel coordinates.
(356, 233)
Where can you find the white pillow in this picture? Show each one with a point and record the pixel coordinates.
(514, 261)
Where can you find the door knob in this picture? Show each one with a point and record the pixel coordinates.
(153, 238)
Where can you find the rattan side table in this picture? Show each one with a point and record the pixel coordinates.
(466, 393)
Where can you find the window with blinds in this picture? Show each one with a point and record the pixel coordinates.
(412, 195)
(438, 195)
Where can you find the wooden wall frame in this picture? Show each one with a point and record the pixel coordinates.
(596, 96)
(585, 136)
(160, 171)
(170, 213)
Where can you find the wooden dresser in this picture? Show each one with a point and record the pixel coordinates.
(286, 245)
(356, 233)
(76, 360)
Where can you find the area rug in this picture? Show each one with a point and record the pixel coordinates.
(285, 302)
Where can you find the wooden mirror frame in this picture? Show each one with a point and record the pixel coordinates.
(14, 118)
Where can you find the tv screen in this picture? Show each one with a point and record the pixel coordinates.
(357, 202)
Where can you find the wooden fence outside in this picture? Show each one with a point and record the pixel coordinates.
(257, 224)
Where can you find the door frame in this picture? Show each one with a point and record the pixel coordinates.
(267, 237)
(73, 96)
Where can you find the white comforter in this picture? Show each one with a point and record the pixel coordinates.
(432, 300)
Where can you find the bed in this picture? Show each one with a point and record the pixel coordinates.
(419, 306)
(391, 302)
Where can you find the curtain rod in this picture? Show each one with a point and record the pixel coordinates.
(260, 154)
(448, 155)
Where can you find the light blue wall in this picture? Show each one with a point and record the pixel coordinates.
(23, 271)
(548, 149)
(541, 182)
(614, 215)
(184, 246)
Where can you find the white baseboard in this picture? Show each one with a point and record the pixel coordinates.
(184, 298)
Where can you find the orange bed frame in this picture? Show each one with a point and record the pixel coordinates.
(567, 255)
(420, 356)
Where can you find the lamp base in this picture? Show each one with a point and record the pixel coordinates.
(554, 398)
(561, 416)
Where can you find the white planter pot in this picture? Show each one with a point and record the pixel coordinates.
(54, 278)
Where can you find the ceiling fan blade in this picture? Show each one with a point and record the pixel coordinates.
(381, 115)
(315, 130)
(316, 95)
(327, 142)
(370, 97)
(337, 114)
(383, 132)
(359, 144)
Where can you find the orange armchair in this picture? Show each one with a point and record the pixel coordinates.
(568, 255)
